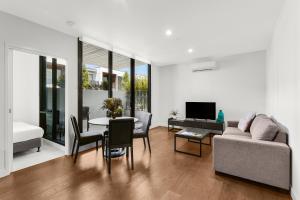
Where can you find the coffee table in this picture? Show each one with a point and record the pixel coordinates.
(193, 135)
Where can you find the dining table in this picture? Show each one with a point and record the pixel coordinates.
(104, 121)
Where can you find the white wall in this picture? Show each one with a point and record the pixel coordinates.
(95, 98)
(21, 33)
(155, 88)
(237, 87)
(26, 87)
(283, 81)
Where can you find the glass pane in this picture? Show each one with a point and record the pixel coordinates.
(94, 82)
(141, 86)
(60, 125)
(121, 81)
(55, 116)
(49, 108)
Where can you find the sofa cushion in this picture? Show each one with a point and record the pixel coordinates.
(236, 132)
(263, 128)
(282, 134)
(245, 122)
(262, 116)
(236, 137)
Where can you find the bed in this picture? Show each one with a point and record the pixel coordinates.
(26, 136)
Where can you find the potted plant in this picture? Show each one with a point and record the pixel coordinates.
(174, 114)
(113, 106)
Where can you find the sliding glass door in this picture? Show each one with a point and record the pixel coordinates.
(95, 82)
(141, 86)
(121, 81)
(60, 102)
(52, 98)
(107, 74)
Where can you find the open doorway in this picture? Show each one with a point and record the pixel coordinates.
(38, 108)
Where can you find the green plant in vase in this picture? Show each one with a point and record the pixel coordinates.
(174, 114)
(113, 106)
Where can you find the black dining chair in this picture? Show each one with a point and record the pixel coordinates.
(143, 131)
(86, 116)
(84, 138)
(119, 135)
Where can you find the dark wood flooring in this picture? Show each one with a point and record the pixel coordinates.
(163, 175)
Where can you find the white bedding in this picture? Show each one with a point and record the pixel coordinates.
(23, 132)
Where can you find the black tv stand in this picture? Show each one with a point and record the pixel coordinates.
(196, 123)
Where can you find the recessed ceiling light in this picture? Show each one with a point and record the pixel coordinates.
(169, 32)
(190, 50)
(70, 23)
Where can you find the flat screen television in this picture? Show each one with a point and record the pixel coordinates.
(200, 110)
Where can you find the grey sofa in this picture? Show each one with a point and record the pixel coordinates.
(236, 153)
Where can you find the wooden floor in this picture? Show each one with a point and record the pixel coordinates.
(163, 175)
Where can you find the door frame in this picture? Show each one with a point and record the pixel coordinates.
(8, 137)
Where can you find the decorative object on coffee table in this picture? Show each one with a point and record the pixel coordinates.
(113, 106)
(220, 118)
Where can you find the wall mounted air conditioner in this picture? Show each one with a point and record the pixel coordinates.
(204, 66)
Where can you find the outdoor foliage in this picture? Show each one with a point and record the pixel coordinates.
(141, 88)
(61, 81)
(104, 85)
(141, 83)
(85, 79)
(126, 82)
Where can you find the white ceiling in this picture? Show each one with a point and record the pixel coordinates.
(211, 27)
(98, 56)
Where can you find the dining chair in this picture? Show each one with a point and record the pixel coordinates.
(84, 138)
(119, 135)
(143, 130)
(86, 116)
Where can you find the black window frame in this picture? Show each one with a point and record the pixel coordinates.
(110, 83)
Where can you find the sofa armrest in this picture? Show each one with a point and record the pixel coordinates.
(233, 124)
(262, 161)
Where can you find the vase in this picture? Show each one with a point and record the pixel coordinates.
(113, 115)
(220, 118)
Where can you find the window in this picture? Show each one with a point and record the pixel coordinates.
(121, 81)
(141, 86)
(110, 74)
(94, 82)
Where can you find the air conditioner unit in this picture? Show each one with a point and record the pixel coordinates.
(204, 66)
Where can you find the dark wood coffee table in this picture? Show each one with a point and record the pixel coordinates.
(193, 135)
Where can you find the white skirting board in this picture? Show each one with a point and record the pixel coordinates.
(294, 195)
(3, 173)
